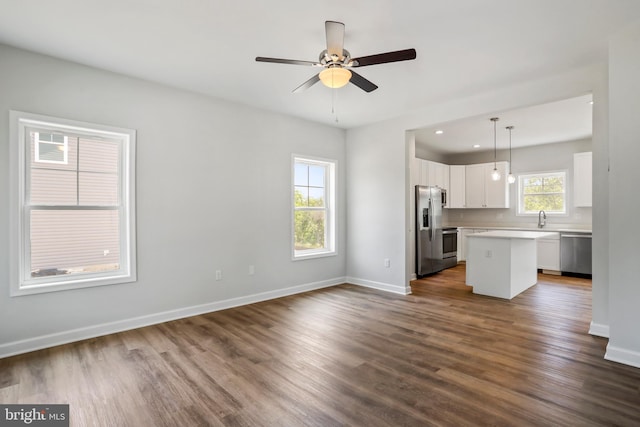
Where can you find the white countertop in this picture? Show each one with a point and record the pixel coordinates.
(546, 229)
(515, 234)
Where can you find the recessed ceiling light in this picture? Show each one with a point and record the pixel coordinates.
(476, 145)
(439, 132)
(591, 102)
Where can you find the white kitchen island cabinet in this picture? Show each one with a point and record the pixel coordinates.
(503, 263)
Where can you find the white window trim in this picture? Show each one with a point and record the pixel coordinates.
(331, 186)
(21, 282)
(532, 214)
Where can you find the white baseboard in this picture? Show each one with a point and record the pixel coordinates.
(403, 290)
(599, 330)
(51, 340)
(621, 355)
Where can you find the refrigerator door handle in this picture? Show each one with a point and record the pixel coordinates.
(430, 212)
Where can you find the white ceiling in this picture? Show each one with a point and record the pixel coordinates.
(463, 47)
(565, 120)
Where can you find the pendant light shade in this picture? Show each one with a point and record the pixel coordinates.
(495, 175)
(511, 178)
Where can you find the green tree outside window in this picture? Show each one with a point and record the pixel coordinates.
(544, 191)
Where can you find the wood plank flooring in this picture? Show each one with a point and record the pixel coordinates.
(348, 356)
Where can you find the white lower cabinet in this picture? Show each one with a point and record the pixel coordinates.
(549, 254)
(462, 241)
(548, 249)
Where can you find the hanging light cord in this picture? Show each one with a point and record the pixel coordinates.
(495, 150)
(495, 147)
(509, 127)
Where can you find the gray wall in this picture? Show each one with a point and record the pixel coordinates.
(624, 202)
(213, 187)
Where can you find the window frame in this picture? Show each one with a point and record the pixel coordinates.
(330, 248)
(21, 281)
(520, 196)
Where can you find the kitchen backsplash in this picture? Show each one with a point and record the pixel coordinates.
(579, 218)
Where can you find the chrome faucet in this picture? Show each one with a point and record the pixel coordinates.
(542, 219)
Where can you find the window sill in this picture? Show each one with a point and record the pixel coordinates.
(314, 255)
(70, 284)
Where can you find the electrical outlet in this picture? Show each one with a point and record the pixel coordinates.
(252, 270)
(218, 274)
(387, 262)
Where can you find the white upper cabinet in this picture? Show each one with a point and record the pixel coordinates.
(474, 186)
(432, 173)
(439, 175)
(483, 192)
(467, 186)
(456, 196)
(497, 192)
(582, 179)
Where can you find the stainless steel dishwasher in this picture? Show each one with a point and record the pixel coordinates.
(575, 253)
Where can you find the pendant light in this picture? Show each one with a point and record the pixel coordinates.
(495, 175)
(511, 178)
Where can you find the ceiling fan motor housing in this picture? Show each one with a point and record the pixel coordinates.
(327, 60)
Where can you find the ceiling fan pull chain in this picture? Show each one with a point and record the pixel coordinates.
(333, 101)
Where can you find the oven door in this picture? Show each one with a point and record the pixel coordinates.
(449, 242)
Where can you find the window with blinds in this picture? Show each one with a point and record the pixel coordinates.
(76, 205)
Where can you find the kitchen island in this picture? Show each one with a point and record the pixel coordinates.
(503, 263)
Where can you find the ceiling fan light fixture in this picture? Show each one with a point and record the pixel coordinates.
(335, 77)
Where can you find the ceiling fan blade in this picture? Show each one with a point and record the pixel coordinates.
(382, 58)
(287, 61)
(306, 85)
(335, 38)
(362, 83)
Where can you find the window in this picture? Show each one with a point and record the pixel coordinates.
(72, 204)
(542, 191)
(313, 207)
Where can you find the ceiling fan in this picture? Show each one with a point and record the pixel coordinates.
(338, 64)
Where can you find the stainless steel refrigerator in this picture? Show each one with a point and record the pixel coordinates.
(429, 247)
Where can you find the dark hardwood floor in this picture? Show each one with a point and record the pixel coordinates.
(348, 356)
